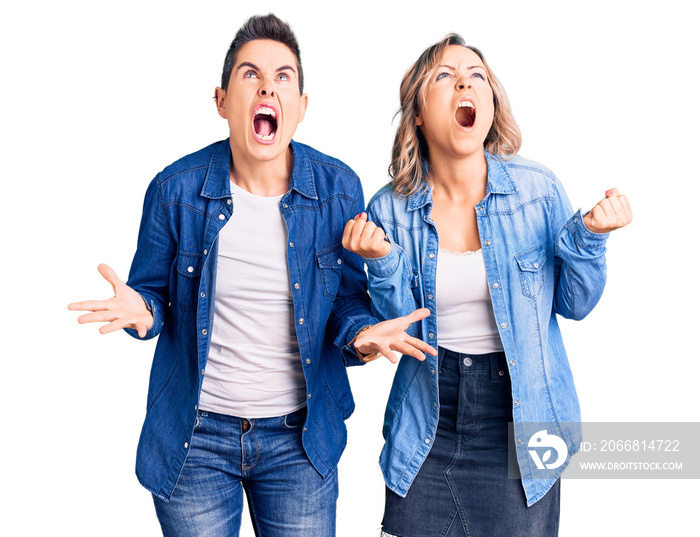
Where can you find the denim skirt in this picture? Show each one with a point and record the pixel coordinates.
(463, 487)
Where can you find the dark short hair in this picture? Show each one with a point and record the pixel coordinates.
(262, 27)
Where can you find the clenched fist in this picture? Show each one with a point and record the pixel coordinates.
(365, 238)
(612, 212)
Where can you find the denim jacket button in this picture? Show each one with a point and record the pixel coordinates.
(297, 286)
(495, 285)
(301, 321)
(512, 362)
(487, 243)
(503, 325)
(222, 217)
(516, 402)
(430, 297)
(431, 255)
(190, 269)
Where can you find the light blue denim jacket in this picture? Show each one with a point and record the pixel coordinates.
(540, 261)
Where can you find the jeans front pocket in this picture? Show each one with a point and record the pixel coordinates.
(531, 264)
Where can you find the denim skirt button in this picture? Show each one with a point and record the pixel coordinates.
(467, 361)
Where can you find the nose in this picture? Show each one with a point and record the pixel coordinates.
(461, 83)
(266, 89)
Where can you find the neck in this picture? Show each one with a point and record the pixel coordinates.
(459, 179)
(262, 178)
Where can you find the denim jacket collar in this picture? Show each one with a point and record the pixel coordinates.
(216, 183)
(499, 182)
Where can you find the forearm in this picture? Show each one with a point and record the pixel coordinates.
(580, 257)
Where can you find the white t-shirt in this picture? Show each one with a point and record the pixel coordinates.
(465, 318)
(254, 368)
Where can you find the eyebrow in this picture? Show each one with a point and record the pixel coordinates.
(253, 66)
(468, 68)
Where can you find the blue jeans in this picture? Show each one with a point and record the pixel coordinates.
(263, 457)
(463, 488)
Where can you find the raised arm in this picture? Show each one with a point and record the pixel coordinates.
(580, 249)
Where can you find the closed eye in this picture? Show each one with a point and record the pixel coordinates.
(479, 75)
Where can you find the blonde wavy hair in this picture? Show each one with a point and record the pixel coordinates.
(409, 155)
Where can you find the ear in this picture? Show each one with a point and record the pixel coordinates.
(220, 99)
(419, 120)
(302, 109)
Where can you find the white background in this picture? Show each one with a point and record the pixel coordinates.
(97, 97)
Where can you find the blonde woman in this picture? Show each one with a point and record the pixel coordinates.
(488, 242)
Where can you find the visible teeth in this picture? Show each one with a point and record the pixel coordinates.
(465, 103)
(267, 111)
(266, 138)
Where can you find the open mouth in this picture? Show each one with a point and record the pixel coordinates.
(265, 123)
(465, 114)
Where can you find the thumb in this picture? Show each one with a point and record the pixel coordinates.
(109, 275)
(416, 315)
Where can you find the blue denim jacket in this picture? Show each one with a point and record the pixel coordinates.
(174, 270)
(540, 261)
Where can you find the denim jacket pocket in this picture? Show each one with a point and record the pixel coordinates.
(330, 263)
(189, 268)
(531, 262)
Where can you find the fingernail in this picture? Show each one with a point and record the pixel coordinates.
(608, 192)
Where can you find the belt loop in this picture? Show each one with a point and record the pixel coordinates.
(494, 366)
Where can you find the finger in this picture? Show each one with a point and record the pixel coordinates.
(606, 207)
(377, 233)
(115, 326)
(405, 348)
(347, 233)
(616, 208)
(99, 317)
(612, 192)
(88, 305)
(109, 275)
(420, 344)
(626, 208)
(416, 315)
(386, 351)
(355, 237)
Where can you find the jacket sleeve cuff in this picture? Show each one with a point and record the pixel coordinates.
(584, 237)
(158, 320)
(345, 341)
(383, 267)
